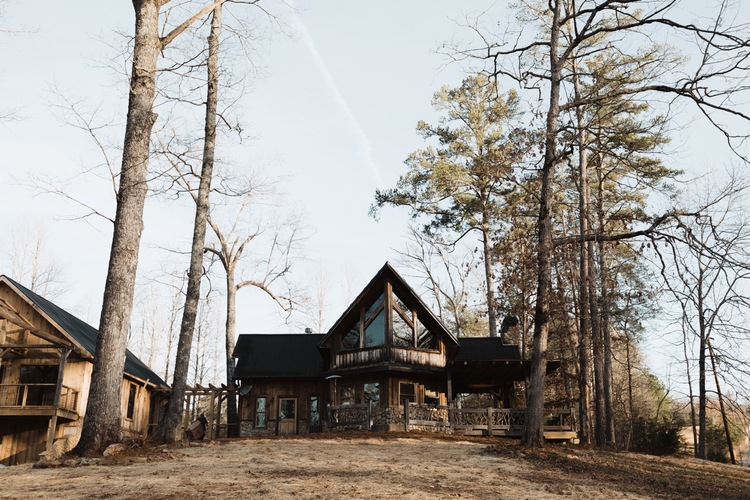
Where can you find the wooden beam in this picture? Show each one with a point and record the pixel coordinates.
(12, 315)
(56, 402)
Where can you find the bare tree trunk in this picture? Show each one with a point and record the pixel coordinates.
(490, 280)
(170, 430)
(609, 419)
(600, 430)
(101, 425)
(702, 451)
(231, 326)
(584, 347)
(724, 419)
(533, 434)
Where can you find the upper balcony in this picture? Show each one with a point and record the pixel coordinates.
(17, 400)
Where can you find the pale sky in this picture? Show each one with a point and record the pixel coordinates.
(333, 110)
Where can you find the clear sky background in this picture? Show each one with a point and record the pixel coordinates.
(333, 109)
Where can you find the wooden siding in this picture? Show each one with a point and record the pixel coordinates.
(417, 357)
(24, 437)
(364, 357)
(274, 391)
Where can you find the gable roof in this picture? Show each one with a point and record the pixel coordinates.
(389, 274)
(281, 355)
(81, 333)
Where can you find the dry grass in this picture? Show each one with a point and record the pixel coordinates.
(376, 466)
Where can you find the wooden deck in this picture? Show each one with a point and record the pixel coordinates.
(559, 425)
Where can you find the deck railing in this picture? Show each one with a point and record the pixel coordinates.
(35, 395)
(436, 418)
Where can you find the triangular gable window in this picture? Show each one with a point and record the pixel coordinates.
(372, 329)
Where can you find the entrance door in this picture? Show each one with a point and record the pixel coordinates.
(288, 416)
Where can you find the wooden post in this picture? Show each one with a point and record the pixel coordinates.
(406, 414)
(450, 387)
(218, 411)
(369, 414)
(56, 401)
(451, 415)
(211, 418)
(489, 421)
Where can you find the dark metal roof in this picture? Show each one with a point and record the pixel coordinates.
(486, 349)
(279, 355)
(84, 334)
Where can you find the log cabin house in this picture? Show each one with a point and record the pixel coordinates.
(46, 359)
(387, 364)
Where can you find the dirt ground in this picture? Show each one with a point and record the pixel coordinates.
(380, 466)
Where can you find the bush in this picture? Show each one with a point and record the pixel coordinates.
(656, 437)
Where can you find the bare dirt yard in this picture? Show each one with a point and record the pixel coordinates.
(375, 466)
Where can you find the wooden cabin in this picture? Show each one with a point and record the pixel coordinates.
(386, 352)
(46, 359)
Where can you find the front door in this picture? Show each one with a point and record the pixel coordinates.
(288, 416)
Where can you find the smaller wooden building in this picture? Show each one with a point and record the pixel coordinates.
(46, 359)
(387, 350)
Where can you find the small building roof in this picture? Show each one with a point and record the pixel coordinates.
(83, 334)
(486, 349)
(292, 355)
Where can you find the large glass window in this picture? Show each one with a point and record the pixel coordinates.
(374, 307)
(425, 338)
(351, 339)
(372, 392)
(403, 334)
(260, 412)
(375, 331)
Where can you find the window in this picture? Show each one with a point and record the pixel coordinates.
(375, 331)
(372, 392)
(346, 394)
(131, 401)
(287, 409)
(314, 411)
(431, 396)
(425, 338)
(351, 339)
(260, 412)
(403, 333)
(407, 391)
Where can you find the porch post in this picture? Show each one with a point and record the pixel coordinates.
(56, 401)
(211, 410)
(450, 386)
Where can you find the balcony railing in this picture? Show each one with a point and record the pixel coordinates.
(36, 395)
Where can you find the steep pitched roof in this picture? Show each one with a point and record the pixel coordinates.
(281, 355)
(81, 333)
(388, 273)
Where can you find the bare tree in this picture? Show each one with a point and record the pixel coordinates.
(544, 60)
(448, 277)
(101, 425)
(273, 253)
(705, 269)
(30, 263)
